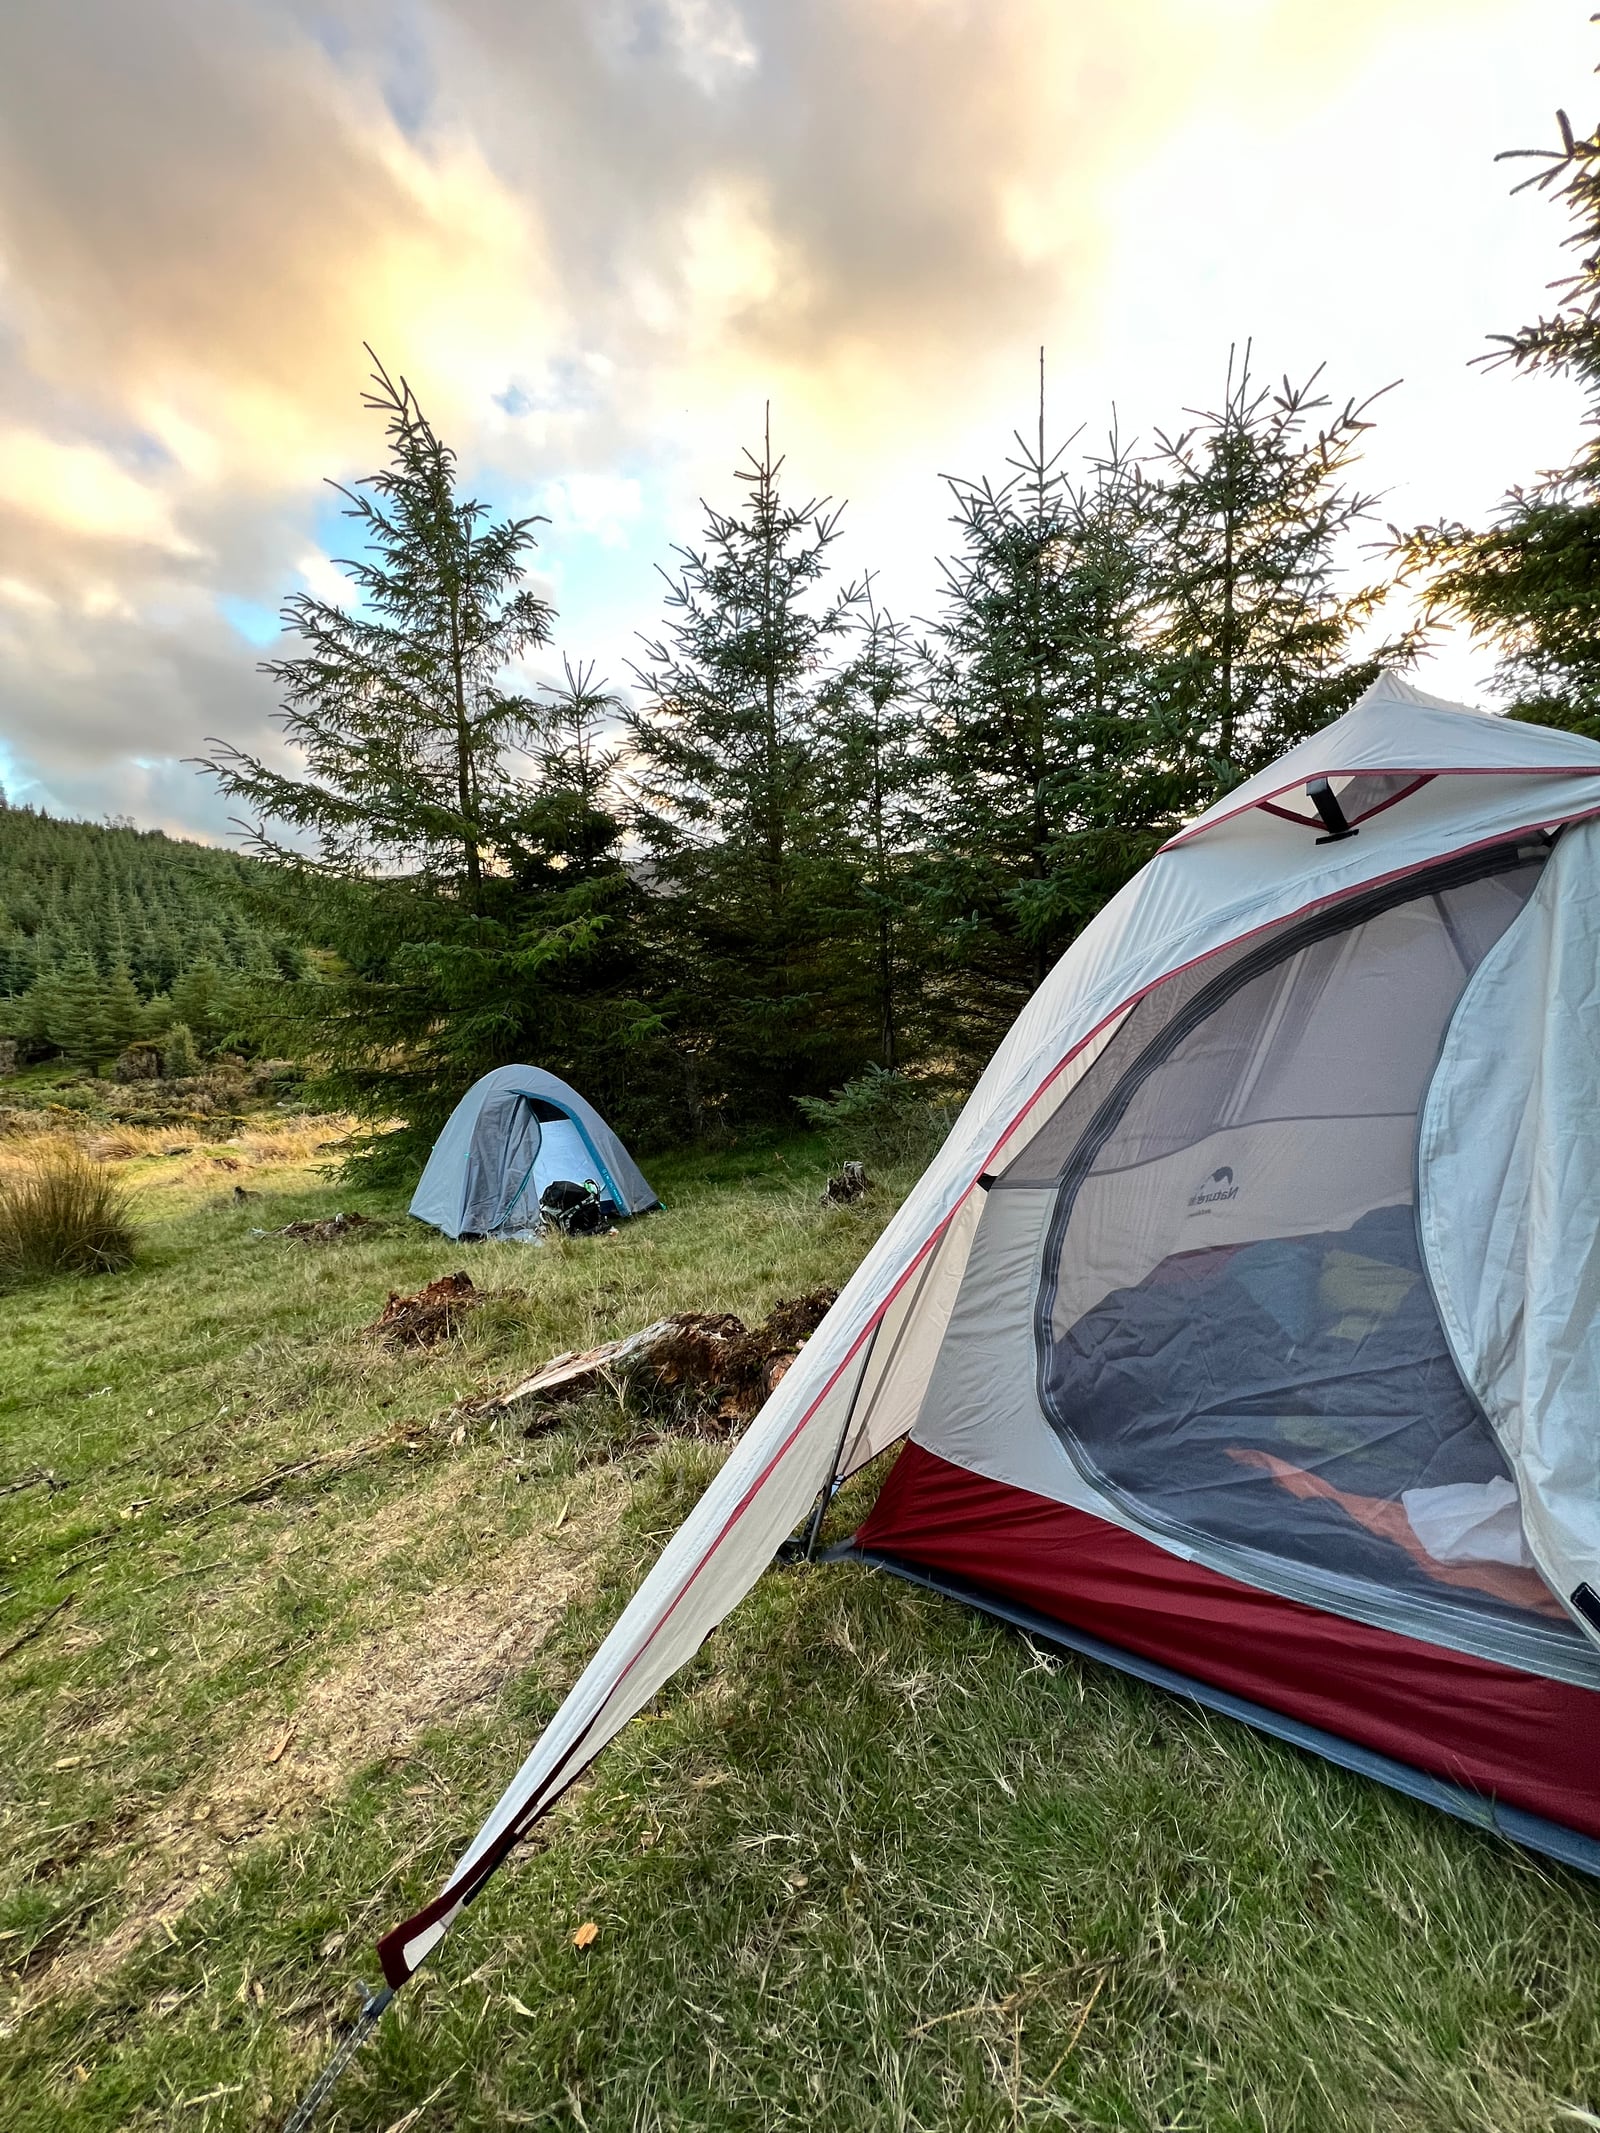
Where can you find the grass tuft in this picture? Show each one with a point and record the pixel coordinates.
(61, 1212)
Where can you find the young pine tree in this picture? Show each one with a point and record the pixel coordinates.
(1260, 635)
(576, 748)
(397, 705)
(77, 1027)
(464, 931)
(123, 1013)
(872, 717)
(1037, 676)
(35, 1018)
(200, 1003)
(728, 766)
(1529, 584)
(179, 1058)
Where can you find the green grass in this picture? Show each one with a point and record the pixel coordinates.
(868, 1862)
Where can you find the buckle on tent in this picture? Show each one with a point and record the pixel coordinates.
(1323, 798)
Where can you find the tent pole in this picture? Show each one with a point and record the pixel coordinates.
(806, 1550)
(824, 1498)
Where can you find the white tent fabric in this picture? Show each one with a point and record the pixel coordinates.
(859, 1383)
(1509, 1206)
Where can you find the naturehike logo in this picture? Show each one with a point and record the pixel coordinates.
(1219, 1186)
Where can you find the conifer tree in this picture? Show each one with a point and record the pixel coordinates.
(179, 1059)
(468, 903)
(35, 1018)
(398, 705)
(198, 1001)
(77, 1025)
(574, 812)
(139, 905)
(1036, 682)
(728, 769)
(123, 1014)
(877, 769)
(1528, 585)
(1260, 637)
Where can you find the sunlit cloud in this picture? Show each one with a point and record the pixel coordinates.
(600, 236)
(82, 489)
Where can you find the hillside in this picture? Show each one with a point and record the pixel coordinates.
(109, 934)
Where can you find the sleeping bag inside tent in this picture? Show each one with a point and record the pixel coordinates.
(515, 1133)
(1246, 1329)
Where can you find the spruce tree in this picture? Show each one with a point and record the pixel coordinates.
(36, 1017)
(1261, 634)
(1037, 671)
(877, 770)
(198, 1001)
(1528, 585)
(732, 801)
(123, 1014)
(572, 814)
(77, 1026)
(179, 1059)
(468, 904)
(398, 706)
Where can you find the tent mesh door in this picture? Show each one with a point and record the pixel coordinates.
(1236, 1337)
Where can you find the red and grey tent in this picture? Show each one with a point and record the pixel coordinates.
(1246, 1330)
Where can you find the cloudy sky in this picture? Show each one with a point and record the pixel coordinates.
(598, 235)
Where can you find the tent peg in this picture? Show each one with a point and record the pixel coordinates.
(305, 2112)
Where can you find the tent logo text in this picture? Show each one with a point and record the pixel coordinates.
(1219, 1186)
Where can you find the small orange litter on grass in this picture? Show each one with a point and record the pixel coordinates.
(587, 1934)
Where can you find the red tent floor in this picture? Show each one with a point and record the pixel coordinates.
(1506, 1749)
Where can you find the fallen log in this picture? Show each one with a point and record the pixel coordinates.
(714, 1364)
(568, 1376)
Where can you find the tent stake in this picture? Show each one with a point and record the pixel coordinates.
(305, 2112)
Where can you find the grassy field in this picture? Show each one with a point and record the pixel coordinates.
(276, 1627)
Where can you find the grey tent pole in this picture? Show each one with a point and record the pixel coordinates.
(806, 1549)
(305, 2111)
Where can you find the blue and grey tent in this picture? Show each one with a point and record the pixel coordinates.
(515, 1132)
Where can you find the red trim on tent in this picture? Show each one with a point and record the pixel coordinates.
(1417, 771)
(1521, 1739)
(1315, 822)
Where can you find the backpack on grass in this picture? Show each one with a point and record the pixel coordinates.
(575, 1210)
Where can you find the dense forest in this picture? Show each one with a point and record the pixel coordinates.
(110, 936)
(811, 846)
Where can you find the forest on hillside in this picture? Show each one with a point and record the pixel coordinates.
(112, 936)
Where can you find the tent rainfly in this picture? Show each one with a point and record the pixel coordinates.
(516, 1131)
(1246, 1329)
